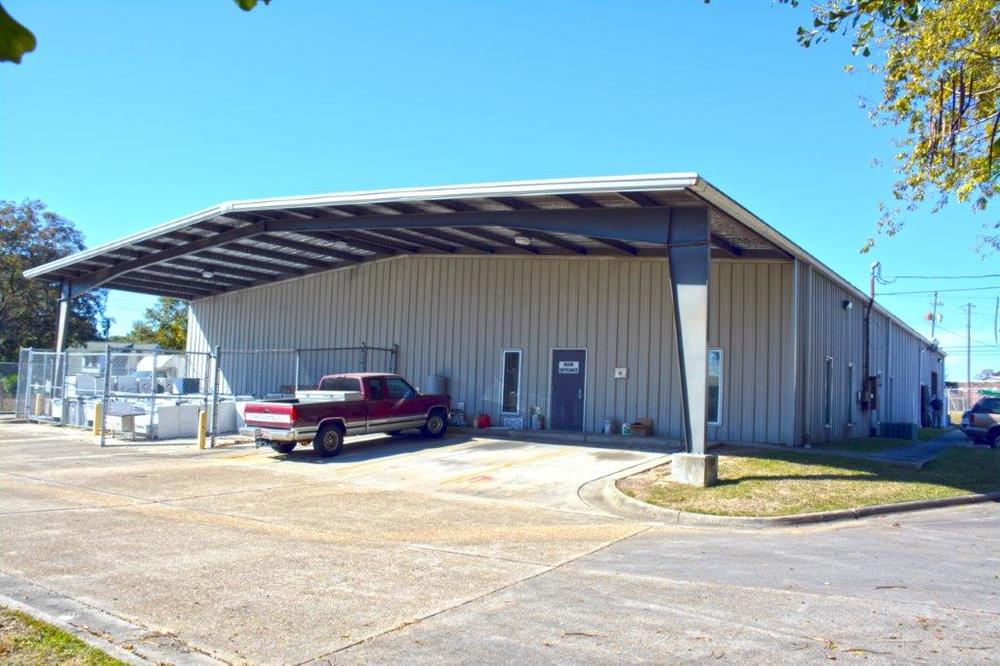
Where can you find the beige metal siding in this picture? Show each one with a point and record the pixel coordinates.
(454, 315)
(827, 329)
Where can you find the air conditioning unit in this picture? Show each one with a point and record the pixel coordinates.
(898, 430)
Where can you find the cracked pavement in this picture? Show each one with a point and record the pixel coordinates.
(463, 550)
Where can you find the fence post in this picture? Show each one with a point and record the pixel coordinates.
(364, 357)
(395, 358)
(106, 393)
(295, 389)
(62, 365)
(29, 389)
(215, 395)
(151, 428)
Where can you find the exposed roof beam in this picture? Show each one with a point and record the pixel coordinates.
(455, 205)
(580, 201)
(299, 246)
(626, 224)
(188, 286)
(499, 238)
(417, 239)
(553, 239)
(641, 198)
(400, 207)
(141, 288)
(514, 203)
(458, 240)
(151, 282)
(218, 277)
(220, 261)
(621, 246)
(98, 278)
(362, 241)
(282, 255)
(726, 246)
(646, 224)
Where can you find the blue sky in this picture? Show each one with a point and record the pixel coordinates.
(132, 113)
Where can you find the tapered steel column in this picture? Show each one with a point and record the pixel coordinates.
(60, 357)
(63, 319)
(689, 253)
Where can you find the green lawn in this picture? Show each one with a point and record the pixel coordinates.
(864, 444)
(759, 482)
(25, 641)
(927, 434)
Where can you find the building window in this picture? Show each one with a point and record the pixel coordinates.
(714, 406)
(850, 394)
(510, 386)
(828, 393)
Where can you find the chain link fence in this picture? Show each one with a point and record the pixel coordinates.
(244, 375)
(129, 394)
(153, 395)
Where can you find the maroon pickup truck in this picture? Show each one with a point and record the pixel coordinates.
(348, 404)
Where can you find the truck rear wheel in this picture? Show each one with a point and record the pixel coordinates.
(436, 425)
(329, 440)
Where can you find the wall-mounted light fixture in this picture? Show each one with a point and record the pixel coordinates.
(208, 275)
(847, 305)
(522, 240)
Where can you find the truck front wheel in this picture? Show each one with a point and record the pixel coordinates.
(329, 440)
(436, 425)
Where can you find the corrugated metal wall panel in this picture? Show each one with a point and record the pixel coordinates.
(827, 329)
(454, 315)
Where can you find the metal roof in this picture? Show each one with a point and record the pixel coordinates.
(240, 244)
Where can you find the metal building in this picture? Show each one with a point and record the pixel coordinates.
(580, 300)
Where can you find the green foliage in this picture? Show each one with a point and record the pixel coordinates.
(9, 384)
(164, 324)
(31, 235)
(247, 5)
(15, 39)
(940, 64)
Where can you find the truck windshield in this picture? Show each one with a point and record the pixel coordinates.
(339, 384)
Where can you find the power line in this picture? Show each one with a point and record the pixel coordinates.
(939, 291)
(942, 277)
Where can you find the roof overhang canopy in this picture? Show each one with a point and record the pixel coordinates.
(242, 244)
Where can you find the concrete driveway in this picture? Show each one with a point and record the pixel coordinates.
(461, 550)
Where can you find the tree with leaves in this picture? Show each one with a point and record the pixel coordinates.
(164, 324)
(16, 40)
(31, 235)
(940, 67)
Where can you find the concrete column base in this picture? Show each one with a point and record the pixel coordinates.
(695, 469)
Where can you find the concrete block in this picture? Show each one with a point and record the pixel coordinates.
(694, 469)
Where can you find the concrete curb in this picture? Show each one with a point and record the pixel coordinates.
(603, 494)
(93, 641)
(122, 639)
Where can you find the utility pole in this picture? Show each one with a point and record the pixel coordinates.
(934, 305)
(968, 353)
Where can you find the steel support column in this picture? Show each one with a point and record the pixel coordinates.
(60, 359)
(63, 319)
(688, 253)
